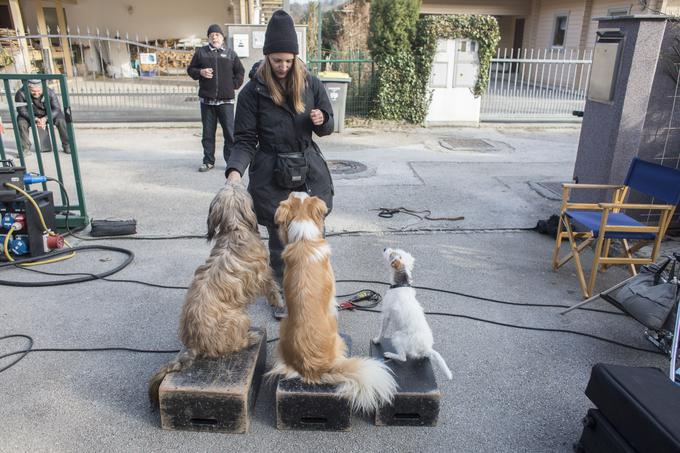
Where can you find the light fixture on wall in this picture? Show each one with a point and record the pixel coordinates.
(130, 9)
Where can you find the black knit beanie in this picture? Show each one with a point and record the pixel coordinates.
(280, 35)
(214, 28)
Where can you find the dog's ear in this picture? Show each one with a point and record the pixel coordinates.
(317, 209)
(282, 213)
(215, 215)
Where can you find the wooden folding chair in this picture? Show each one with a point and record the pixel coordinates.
(604, 222)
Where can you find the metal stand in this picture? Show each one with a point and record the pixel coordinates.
(603, 293)
(674, 370)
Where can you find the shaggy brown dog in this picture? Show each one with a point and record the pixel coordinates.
(309, 345)
(214, 321)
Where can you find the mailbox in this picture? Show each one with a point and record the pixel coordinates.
(466, 67)
(605, 66)
(456, 64)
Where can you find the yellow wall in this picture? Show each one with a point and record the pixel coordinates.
(506, 25)
(546, 23)
(539, 30)
(491, 7)
(601, 8)
(155, 19)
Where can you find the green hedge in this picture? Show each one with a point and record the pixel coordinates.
(404, 71)
(483, 29)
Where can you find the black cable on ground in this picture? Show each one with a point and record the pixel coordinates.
(486, 299)
(85, 278)
(353, 306)
(24, 352)
(538, 329)
(115, 280)
(72, 232)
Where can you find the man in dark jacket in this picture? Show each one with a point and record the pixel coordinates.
(39, 114)
(219, 73)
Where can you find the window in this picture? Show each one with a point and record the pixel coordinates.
(618, 11)
(52, 24)
(560, 30)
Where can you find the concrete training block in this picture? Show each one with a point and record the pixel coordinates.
(312, 407)
(417, 400)
(214, 394)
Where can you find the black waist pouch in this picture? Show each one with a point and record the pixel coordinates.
(290, 170)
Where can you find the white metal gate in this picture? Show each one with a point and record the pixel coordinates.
(536, 85)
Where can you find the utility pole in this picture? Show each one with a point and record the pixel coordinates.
(319, 23)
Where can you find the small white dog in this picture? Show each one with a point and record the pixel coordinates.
(412, 337)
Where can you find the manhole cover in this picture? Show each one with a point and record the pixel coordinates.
(345, 167)
(465, 143)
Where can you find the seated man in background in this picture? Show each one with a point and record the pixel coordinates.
(40, 114)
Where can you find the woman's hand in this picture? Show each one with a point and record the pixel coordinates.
(234, 176)
(316, 116)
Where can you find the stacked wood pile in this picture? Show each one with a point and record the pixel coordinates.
(8, 48)
(170, 61)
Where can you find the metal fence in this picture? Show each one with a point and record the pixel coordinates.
(109, 81)
(536, 85)
(361, 90)
(46, 142)
(108, 77)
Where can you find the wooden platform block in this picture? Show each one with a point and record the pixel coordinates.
(417, 400)
(214, 394)
(312, 407)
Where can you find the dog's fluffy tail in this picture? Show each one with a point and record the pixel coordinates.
(366, 383)
(179, 363)
(434, 355)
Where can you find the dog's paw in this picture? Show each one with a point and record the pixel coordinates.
(252, 338)
(275, 299)
(390, 355)
(376, 340)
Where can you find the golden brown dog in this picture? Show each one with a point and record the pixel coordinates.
(309, 345)
(214, 321)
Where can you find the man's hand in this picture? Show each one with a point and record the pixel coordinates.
(234, 176)
(41, 122)
(206, 73)
(317, 117)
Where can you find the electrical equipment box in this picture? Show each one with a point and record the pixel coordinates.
(32, 233)
(20, 220)
(10, 174)
(605, 66)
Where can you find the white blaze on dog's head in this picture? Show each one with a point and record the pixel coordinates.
(399, 260)
(300, 217)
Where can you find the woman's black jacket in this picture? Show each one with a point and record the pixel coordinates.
(263, 129)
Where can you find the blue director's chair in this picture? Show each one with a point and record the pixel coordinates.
(604, 222)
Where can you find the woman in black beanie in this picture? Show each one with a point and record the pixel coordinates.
(276, 113)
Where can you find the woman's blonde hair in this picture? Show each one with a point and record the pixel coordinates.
(291, 87)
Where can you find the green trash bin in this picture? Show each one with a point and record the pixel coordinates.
(336, 84)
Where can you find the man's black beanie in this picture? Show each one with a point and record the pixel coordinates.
(214, 28)
(280, 35)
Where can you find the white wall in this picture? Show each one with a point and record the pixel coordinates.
(454, 73)
(155, 19)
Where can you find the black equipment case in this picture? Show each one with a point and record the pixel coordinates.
(640, 405)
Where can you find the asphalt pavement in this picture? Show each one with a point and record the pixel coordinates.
(513, 389)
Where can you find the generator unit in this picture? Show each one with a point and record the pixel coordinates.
(19, 218)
